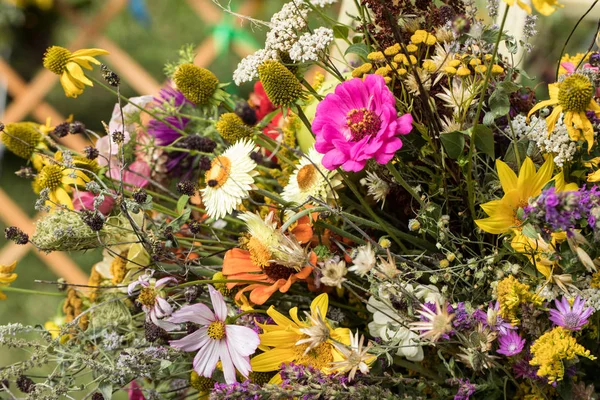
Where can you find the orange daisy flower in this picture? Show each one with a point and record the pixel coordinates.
(262, 263)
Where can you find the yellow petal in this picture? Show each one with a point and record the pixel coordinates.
(542, 104)
(526, 174)
(594, 176)
(593, 106)
(279, 318)
(546, 7)
(491, 207)
(63, 197)
(77, 73)
(280, 339)
(507, 176)
(524, 6)
(542, 177)
(561, 185)
(8, 278)
(272, 359)
(322, 303)
(497, 224)
(71, 88)
(7, 269)
(553, 118)
(341, 335)
(89, 52)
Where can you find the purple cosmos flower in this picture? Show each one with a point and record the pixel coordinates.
(359, 122)
(511, 344)
(214, 340)
(152, 299)
(571, 318)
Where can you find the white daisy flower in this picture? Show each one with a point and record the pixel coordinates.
(364, 260)
(311, 179)
(229, 179)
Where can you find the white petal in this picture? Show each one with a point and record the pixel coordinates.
(197, 313)
(227, 363)
(218, 303)
(206, 360)
(192, 342)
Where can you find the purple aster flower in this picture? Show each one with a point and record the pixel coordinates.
(169, 98)
(510, 344)
(571, 318)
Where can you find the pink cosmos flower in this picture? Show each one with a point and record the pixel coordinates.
(571, 318)
(85, 201)
(214, 340)
(152, 299)
(359, 122)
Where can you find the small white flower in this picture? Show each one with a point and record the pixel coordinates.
(318, 332)
(229, 179)
(363, 261)
(334, 271)
(376, 187)
(356, 356)
(310, 45)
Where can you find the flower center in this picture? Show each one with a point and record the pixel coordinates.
(216, 330)
(50, 177)
(575, 93)
(219, 172)
(259, 254)
(362, 122)
(56, 59)
(516, 220)
(276, 271)
(320, 357)
(307, 176)
(571, 321)
(147, 297)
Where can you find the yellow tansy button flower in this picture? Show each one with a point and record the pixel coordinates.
(68, 66)
(422, 36)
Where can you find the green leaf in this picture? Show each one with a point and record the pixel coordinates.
(454, 143)
(340, 31)
(530, 232)
(499, 103)
(359, 49)
(484, 139)
(182, 202)
(105, 388)
(508, 86)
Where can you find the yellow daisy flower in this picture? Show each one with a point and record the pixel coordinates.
(306, 342)
(58, 179)
(7, 276)
(573, 97)
(68, 66)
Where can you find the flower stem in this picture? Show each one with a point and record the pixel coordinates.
(404, 184)
(29, 291)
(469, 173)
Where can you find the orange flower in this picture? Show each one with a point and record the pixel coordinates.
(274, 276)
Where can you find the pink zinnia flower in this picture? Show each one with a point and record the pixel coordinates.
(214, 340)
(359, 122)
(510, 344)
(85, 201)
(569, 318)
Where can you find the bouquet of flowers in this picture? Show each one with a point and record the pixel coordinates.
(390, 214)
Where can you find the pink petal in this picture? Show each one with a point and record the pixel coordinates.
(218, 303)
(404, 124)
(136, 174)
(226, 362)
(242, 339)
(197, 313)
(206, 360)
(333, 159)
(193, 341)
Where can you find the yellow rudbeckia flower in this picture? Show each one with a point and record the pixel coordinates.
(306, 342)
(573, 97)
(59, 179)
(7, 276)
(68, 66)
